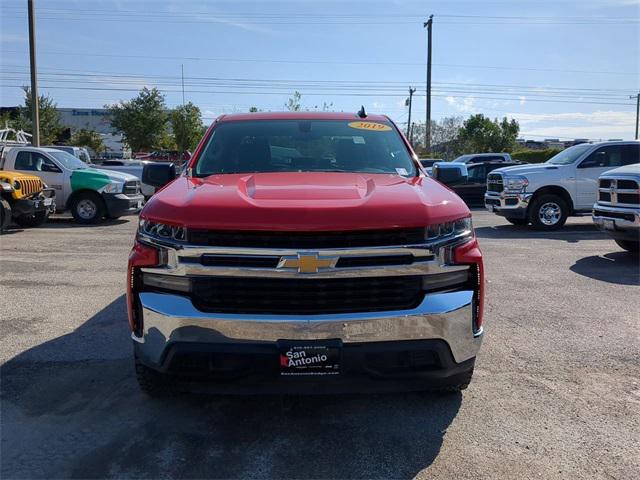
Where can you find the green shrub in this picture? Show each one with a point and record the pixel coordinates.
(535, 156)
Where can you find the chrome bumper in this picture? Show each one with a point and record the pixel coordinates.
(507, 201)
(603, 220)
(172, 318)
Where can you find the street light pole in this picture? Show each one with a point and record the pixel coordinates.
(35, 108)
(637, 97)
(409, 129)
(427, 127)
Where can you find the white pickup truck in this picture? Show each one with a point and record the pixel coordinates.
(89, 193)
(567, 184)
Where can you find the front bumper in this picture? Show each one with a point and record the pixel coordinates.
(171, 321)
(44, 202)
(620, 223)
(119, 204)
(506, 204)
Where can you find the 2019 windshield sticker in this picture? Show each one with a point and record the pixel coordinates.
(371, 126)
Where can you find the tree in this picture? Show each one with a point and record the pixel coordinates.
(187, 126)
(294, 104)
(142, 121)
(481, 134)
(445, 139)
(253, 110)
(89, 139)
(50, 126)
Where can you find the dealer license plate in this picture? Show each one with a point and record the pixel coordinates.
(608, 224)
(491, 208)
(308, 358)
(139, 204)
(48, 201)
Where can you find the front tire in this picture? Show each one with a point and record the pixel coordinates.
(31, 221)
(5, 214)
(521, 222)
(87, 208)
(548, 212)
(629, 245)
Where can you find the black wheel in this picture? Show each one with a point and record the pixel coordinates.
(518, 221)
(30, 221)
(629, 245)
(87, 207)
(5, 214)
(548, 212)
(152, 383)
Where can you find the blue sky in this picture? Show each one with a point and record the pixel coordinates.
(563, 69)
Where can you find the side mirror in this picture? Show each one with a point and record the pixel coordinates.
(450, 173)
(48, 167)
(158, 174)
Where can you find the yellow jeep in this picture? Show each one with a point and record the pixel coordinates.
(24, 199)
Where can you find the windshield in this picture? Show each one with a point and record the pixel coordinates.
(305, 146)
(67, 160)
(462, 159)
(569, 155)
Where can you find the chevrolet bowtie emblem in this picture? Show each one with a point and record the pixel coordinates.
(307, 262)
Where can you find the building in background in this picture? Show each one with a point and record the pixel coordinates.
(98, 120)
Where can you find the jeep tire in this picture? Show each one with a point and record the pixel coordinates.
(5, 214)
(87, 208)
(30, 221)
(548, 212)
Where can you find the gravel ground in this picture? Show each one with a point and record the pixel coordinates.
(556, 392)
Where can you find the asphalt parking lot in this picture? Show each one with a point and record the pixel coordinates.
(556, 392)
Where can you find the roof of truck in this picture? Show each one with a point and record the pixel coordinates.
(301, 116)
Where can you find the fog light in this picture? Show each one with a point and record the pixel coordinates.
(167, 282)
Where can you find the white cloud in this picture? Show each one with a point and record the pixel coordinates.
(523, 100)
(594, 125)
(462, 105)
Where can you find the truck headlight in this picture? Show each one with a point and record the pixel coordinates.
(455, 230)
(516, 183)
(162, 231)
(112, 187)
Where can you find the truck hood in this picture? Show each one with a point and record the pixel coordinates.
(304, 201)
(528, 170)
(628, 170)
(95, 179)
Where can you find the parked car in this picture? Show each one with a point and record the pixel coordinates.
(131, 167)
(617, 211)
(89, 193)
(24, 199)
(567, 184)
(474, 186)
(334, 265)
(79, 152)
(428, 162)
(483, 157)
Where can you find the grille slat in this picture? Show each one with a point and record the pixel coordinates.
(306, 240)
(286, 296)
(494, 183)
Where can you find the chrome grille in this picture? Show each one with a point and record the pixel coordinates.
(131, 187)
(494, 182)
(619, 191)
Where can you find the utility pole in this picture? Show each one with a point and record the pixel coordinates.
(427, 127)
(182, 67)
(409, 129)
(637, 97)
(35, 107)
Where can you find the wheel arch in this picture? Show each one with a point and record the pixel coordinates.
(555, 190)
(77, 193)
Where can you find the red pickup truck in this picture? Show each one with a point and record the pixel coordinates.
(304, 252)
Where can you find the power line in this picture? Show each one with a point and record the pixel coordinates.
(318, 62)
